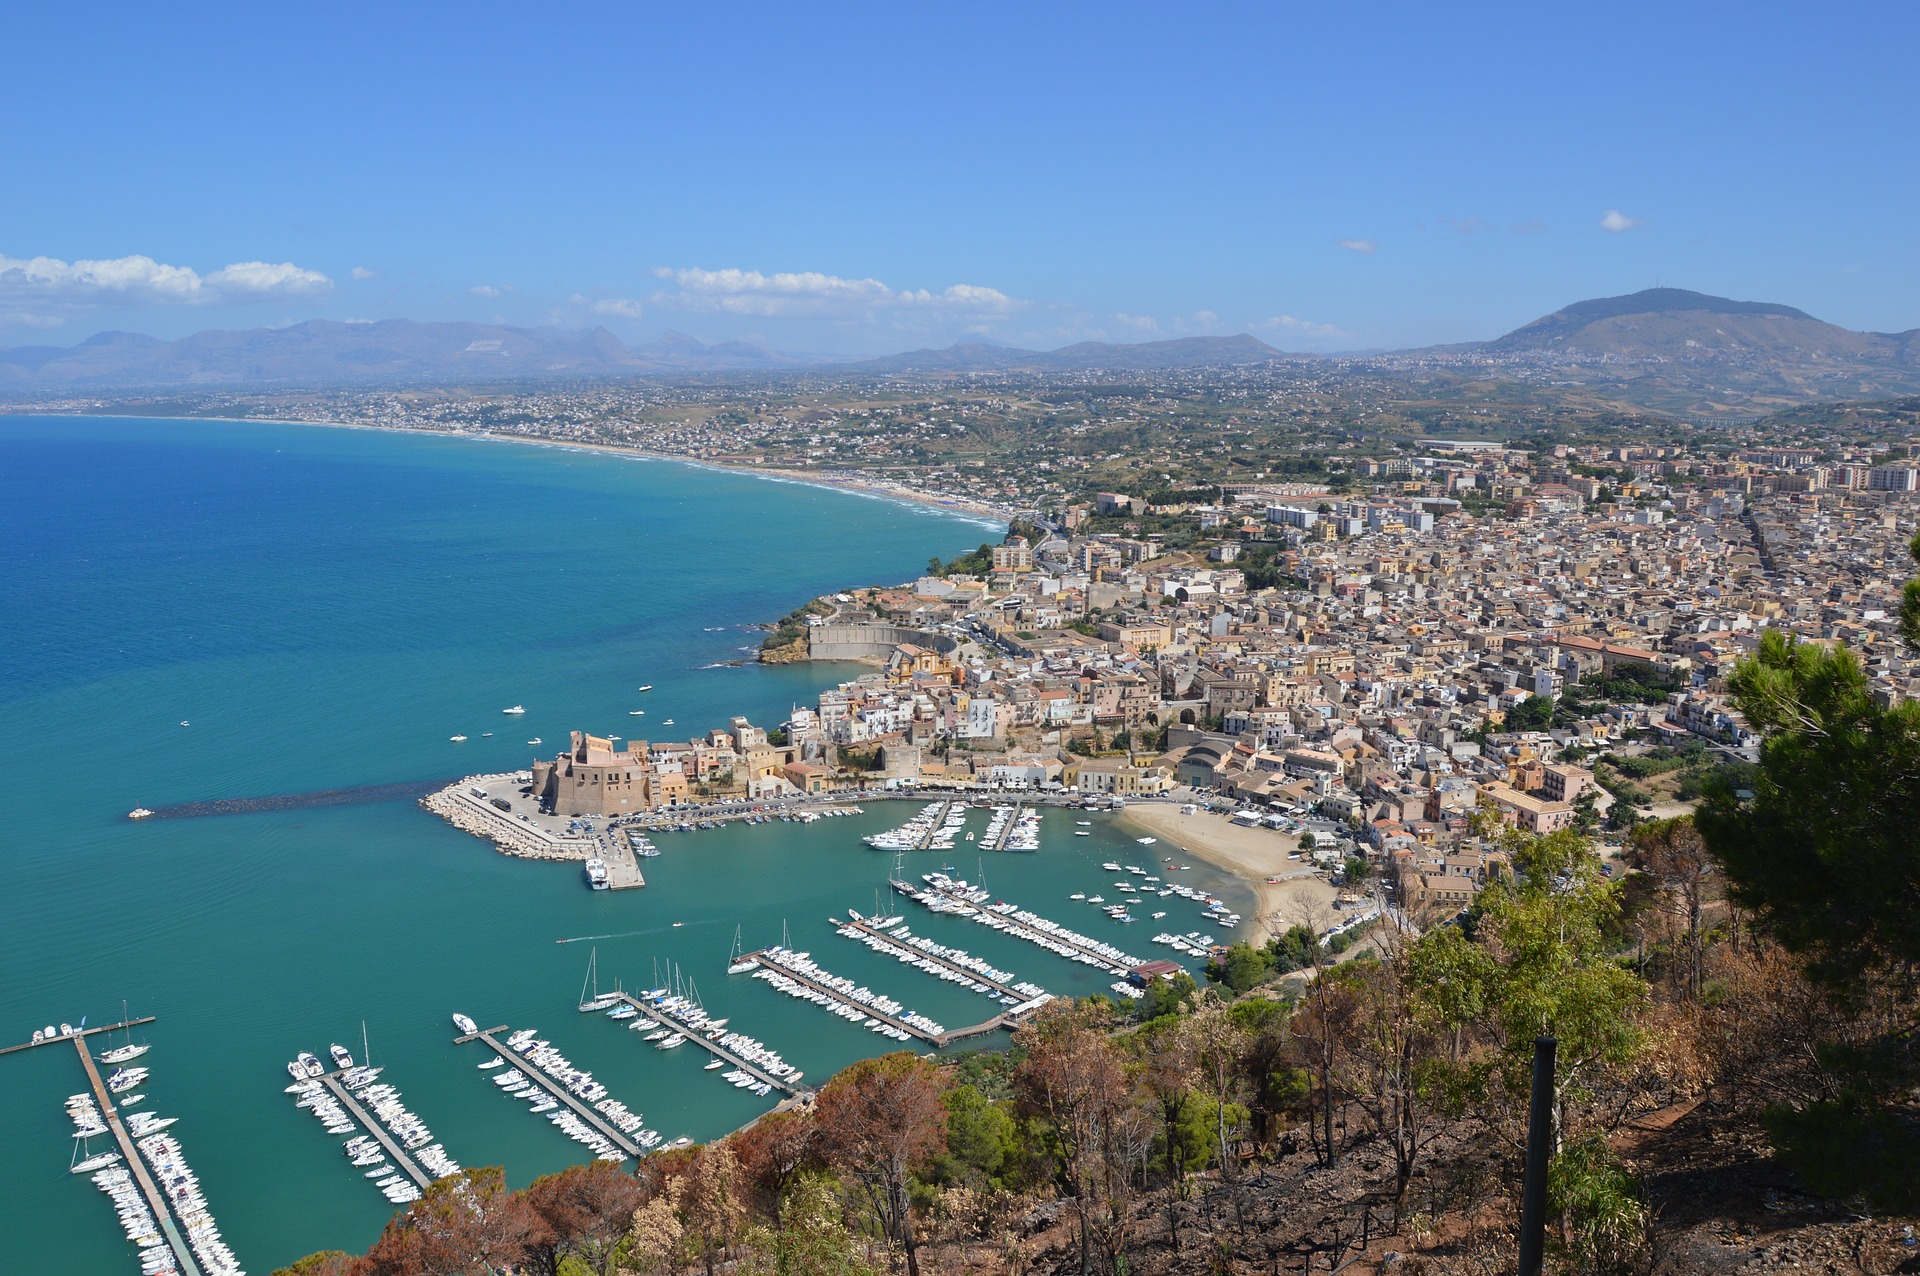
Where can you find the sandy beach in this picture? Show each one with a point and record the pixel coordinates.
(1251, 854)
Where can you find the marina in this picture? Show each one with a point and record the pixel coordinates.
(731, 1048)
(170, 1227)
(381, 1135)
(1013, 828)
(63, 1032)
(951, 964)
(594, 1120)
(943, 894)
(797, 975)
(932, 829)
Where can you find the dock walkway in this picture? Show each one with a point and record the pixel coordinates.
(1006, 829)
(905, 945)
(162, 1208)
(934, 1039)
(939, 822)
(1025, 930)
(698, 1037)
(406, 1163)
(612, 1133)
(77, 1035)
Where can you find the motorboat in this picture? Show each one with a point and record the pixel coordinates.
(341, 1059)
(494, 1062)
(515, 709)
(466, 1026)
(645, 686)
(535, 740)
(457, 739)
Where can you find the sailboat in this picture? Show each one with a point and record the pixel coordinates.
(598, 1001)
(121, 1054)
(735, 963)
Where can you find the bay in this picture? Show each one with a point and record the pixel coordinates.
(324, 608)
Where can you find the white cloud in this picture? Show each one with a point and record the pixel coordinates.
(1138, 323)
(140, 280)
(28, 319)
(1287, 325)
(1616, 221)
(486, 290)
(364, 273)
(617, 307)
(790, 293)
(1365, 247)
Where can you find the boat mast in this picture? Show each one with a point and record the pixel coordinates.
(366, 1051)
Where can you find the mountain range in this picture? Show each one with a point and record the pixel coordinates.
(1663, 347)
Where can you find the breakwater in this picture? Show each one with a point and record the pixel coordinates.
(354, 795)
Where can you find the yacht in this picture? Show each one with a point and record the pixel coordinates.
(93, 1163)
(466, 1026)
(494, 1062)
(515, 709)
(121, 1054)
(341, 1059)
(597, 874)
(139, 813)
(457, 739)
(667, 722)
(645, 686)
(717, 1063)
(312, 1066)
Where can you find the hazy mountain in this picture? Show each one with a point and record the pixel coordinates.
(1688, 352)
(323, 352)
(1183, 352)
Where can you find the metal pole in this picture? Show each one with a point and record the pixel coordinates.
(1533, 1194)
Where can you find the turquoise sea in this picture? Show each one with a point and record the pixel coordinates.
(324, 608)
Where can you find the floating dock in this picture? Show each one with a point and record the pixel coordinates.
(156, 1200)
(1077, 946)
(934, 1039)
(1007, 828)
(697, 1037)
(78, 1034)
(407, 1165)
(904, 944)
(534, 1073)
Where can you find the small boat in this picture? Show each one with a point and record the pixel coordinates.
(717, 1063)
(185, 723)
(535, 740)
(494, 1062)
(636, 713)
(466, 1026)
(1146, 841)
(666, 722)
(457, 739)
(515, 709)
(341, 1059)
(1081, 833)
(645, 686)
(139, 813)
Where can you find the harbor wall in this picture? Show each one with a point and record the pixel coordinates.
(868, 641)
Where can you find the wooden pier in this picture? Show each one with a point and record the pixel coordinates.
(78, 1034)
(162, 1208)
(934, 1039)
(405, 1163)
(698, 1037)
(994, 986)
(1023, 930)
(612, 1133)
(1006, 830)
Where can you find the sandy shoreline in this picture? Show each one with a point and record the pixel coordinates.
(1251, 854)
(835, 482)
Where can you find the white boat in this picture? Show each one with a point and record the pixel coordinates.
(645, 686)
(494, 1062)
(1081, 833)
(139, 813)
(121, 1054)
(92, 1163)
(636, 713)
(515, 709)
(341, 1059)
(457, 739)
(535, 740)
(466, 1026)
(717, 1063)
(1146, 841)
(666, 722)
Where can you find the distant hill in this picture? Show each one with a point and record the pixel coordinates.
(1684, 351)
(1096, 356)
(1675, 323)
(324, 352)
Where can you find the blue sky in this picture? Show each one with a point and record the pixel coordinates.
(863, 178)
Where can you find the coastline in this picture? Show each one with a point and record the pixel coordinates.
(1250, 854)
(838, 481)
